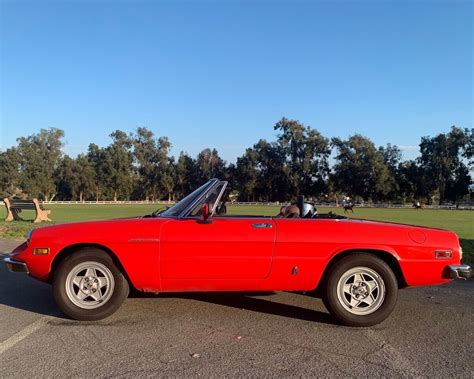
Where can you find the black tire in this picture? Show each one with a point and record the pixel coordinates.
(116, 293)
(337, 302)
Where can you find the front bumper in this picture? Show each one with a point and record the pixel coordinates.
(16, 266)
(460, 271)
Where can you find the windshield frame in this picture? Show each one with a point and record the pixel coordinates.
(217, 191)
(199, 194)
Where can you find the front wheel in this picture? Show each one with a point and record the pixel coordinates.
(361, 290)
(87, 285)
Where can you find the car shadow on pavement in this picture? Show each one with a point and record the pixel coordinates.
(22, 292)
(250, 302)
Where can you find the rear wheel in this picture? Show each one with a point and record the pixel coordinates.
(361, 290)
(87, 285)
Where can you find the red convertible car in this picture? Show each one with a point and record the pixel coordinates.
(355, 266)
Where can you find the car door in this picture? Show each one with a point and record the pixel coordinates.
(225, 248)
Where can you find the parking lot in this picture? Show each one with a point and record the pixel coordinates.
(430, 333)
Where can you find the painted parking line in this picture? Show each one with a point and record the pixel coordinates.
(22, 334)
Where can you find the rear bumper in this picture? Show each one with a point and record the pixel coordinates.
(16, 266)
(460, 271)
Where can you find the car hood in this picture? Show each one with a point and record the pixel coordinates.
(116, 230)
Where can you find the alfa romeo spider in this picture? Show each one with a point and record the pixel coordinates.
(355, 266)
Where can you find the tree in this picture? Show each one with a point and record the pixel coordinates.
(441, 160)
(360, 168)
(140, 166)
(246, 175)
(145, 151)
(75, 178)
(209, 165)
(39, 156)
(154, 165)
(458, 185)
(9, 172)
(392, 157)
(273, 181)
(165, 173)
(468, 150)
(98, 158)
(306, 155)
(185, 174)
(411, 182)
(85, 171)
(65, 178)
(119, 165)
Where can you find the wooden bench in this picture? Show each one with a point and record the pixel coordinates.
(15, 206)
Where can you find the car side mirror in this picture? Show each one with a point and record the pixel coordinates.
(205, 214)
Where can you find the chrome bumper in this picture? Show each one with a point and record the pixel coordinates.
(16, 266)
(460, 271)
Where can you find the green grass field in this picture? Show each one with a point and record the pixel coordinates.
(461, 222)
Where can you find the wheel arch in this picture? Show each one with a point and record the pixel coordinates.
(71, 249)
(386, 256)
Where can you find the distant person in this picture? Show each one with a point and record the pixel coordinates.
(292, 211)
(282, 212)
(289, 211)
(347, 205)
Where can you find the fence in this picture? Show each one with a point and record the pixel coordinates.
(462, 206)
(469, 207)
(108, 202)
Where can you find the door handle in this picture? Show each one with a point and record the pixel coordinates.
(262, 225)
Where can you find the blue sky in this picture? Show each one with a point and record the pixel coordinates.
(220, 74)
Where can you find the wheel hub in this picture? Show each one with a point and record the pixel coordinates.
(89, 285)
(361, 290)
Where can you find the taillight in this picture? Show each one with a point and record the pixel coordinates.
(443, 254)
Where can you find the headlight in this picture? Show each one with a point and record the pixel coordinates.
(460, 252)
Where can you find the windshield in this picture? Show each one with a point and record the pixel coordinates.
(181, 205)
(210, 198)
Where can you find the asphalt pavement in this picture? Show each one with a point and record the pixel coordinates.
(430, 333)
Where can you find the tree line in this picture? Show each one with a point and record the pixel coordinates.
(139, 166)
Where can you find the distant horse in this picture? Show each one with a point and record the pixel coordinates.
(417, 205)
(348, 207)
